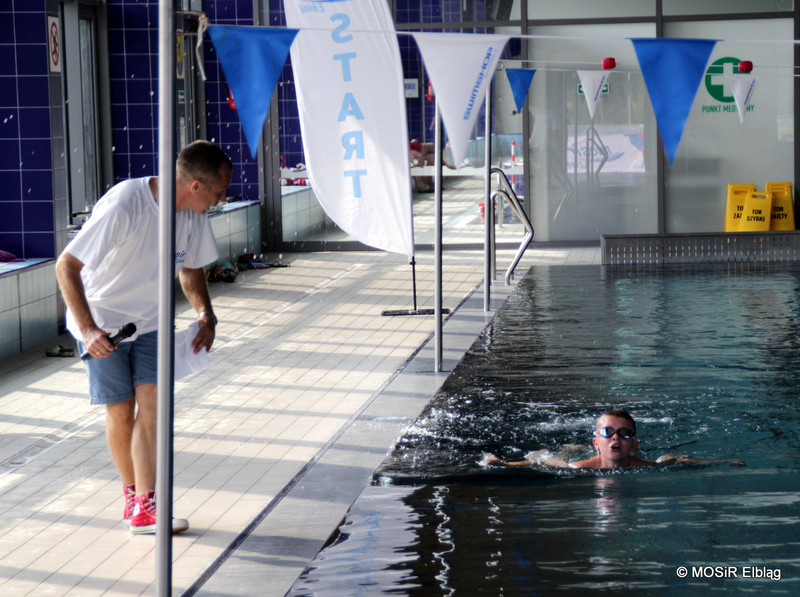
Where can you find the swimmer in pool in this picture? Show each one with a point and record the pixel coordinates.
(615, 442)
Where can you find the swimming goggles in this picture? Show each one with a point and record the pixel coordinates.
(622, 432)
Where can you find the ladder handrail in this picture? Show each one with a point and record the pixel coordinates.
(504, 180)
(513, 199)
(526, 241)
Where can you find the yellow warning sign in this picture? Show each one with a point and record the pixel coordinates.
(757, 212)
(737, 193)
(782, 217)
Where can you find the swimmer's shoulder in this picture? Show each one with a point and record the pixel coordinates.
(593, 462)
(635, 461)
(596, 463)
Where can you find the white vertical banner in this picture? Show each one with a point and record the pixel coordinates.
(350, 95)
(743, 86)
(461, 66)
(592, 82)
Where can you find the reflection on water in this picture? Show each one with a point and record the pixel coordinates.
(707, 362)
(627, 533)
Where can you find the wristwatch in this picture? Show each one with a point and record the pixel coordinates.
(208, 314)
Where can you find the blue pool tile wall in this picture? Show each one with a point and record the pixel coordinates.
(133, 60)
(291, 139)
(440, 11)
(27, 225)
(133, 41)
(33, 145)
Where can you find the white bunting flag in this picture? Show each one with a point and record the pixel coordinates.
(592, 82)
(350, 95)
(743, 86)
(461, 66)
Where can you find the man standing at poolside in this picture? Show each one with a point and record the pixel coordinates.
(615, 442)
(108, 275)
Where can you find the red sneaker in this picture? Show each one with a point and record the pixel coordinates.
(143, 519)
(129, 493)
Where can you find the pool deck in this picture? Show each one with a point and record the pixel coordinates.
(308, 388)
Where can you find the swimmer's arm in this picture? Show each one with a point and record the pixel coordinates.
(492, 460)
(676, 459)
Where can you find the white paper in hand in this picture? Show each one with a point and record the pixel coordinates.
(186, 362)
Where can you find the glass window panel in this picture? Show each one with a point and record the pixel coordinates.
(598, 176)
(709, 7)
(590, 9)
(716, 149)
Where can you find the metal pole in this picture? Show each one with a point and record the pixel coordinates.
(488, 208)
(414, 280)
(166, 310)
(437, 246)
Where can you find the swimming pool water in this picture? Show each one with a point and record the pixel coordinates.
(707, 361)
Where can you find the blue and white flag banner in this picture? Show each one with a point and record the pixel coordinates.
(672, 71)
(742, 86)
(592, 82)
(252, 59)
(460, 66)
(520, 81)
(349, 82)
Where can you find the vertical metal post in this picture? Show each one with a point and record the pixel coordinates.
(488, 208)
(437, 248)
(166, 310)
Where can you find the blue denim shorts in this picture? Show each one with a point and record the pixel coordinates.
(113, 378)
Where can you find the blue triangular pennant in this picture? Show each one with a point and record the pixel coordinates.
(252, 59)
(520, 81)
(672, 71)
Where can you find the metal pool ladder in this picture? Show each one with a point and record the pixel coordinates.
(507, 191)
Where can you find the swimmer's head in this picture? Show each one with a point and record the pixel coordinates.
(615, 437)
(619, 413)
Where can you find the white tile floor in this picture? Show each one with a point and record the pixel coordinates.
(309, 386)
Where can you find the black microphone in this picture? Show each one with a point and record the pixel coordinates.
(126, 331)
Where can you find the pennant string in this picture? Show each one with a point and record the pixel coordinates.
(532, 36)
(204, 23)
(671, 93)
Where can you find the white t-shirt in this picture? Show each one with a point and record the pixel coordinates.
(118, 246)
